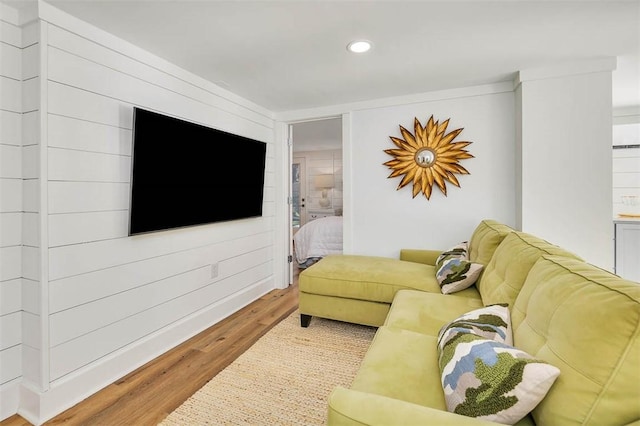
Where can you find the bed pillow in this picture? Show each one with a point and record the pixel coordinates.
(491, 380)
(459, 251)
(457, 274)
(491, 322)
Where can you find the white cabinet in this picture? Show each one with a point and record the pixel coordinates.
(314, 214)
(627, 246)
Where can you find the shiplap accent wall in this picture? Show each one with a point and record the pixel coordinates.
(108, 290)
(19, 242)
(626, 162)
(10, 210)
(113, 302)
(626, 179)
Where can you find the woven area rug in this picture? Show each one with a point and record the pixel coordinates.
(285, 378)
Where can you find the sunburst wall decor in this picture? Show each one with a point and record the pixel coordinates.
(429, 156)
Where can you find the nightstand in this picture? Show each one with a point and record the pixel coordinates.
(314, 214)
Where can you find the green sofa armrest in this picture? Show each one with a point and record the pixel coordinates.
(427, 257)
(351, 407)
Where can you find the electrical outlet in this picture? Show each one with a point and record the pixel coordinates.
(214, 270)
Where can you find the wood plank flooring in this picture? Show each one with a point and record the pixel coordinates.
(148, 394)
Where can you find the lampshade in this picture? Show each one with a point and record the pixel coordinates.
(323, 181)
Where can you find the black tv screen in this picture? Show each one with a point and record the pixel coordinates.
(186, 174)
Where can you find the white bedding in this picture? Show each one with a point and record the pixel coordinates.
(317, 239)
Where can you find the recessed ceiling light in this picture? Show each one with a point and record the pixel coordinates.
(359, 46)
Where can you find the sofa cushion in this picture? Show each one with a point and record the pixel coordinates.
(356, 311)
(503, 277)
(352, 407)
(402, 364)
(426, 256)
(459, 251)
(456, 274)
(370, 278)
(491, 380)
(585, 321)
(490, 322)
(426, 313)
(485, 239)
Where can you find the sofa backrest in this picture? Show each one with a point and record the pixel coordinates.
(485, 239)
(505, 273)
(586, 322)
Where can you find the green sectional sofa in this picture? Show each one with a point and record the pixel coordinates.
(574, 322)
(360, 289)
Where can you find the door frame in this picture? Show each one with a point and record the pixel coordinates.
(283, 243)
(290, 138)
(302, 160)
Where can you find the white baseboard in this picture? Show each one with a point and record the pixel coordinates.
(37, 406)
(9, 398)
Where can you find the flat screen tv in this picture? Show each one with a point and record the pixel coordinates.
(186, 174)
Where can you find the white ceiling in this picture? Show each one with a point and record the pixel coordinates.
(317, 135)
(288, 55)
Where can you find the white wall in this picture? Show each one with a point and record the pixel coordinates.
(11, 216)
(566, 174)
(384, 219)
(112, 302)
(563, 112)
(19, 207)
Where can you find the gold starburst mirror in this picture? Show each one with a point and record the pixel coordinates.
(428, 156)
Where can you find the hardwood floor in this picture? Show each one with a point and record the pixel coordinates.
(148, 394)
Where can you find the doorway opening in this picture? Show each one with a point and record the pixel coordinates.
(316, 191)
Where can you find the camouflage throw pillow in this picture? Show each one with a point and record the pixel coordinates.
(491, 380)
(457, 274)
(492, 322)
(459, 251)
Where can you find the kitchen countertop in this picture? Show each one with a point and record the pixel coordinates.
(626, 219)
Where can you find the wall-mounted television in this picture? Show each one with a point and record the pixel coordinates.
(186, 174)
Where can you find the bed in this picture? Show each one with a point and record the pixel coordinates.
(317, 239)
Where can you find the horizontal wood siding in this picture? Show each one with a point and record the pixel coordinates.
(626, 179)
(320, 163)
(108, 291)
(33, 350)
(11, 211)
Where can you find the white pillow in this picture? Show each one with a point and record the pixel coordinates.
(457, 274)
(459, 251)
(491, 322)
(486, 378)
